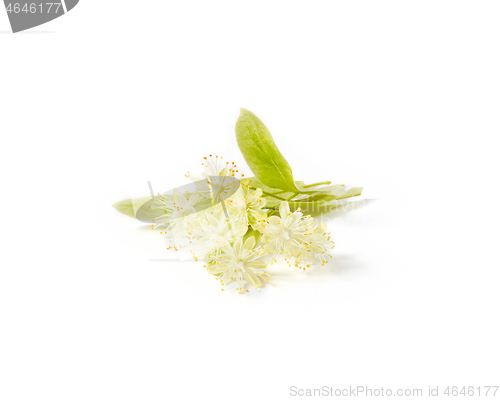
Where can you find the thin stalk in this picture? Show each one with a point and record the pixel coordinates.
(295, 194)
(268, 194)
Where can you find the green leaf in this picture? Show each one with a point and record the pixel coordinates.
(319, 194)
(315, 198)
(131, 207)
(325, 194)
(317, 188)
(253, 182)
(310, 207)
(323, 203)
(261, 154)
(356, 191)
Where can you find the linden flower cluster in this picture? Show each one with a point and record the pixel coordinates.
(237, 236)
(237, 226)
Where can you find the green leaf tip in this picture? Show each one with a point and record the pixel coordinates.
(125, 207)
(129, 207)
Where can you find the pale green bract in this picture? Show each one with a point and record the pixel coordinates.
(321, 199)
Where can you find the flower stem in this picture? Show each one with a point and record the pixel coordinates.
(268, 194)
(307, 186)
(295, 194)
(272, 195)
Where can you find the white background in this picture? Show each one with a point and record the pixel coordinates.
(399, 97)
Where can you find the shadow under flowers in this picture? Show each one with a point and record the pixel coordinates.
(338, 265)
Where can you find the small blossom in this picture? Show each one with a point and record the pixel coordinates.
(215, 231)
(177, 208)
(301, 240)
(240, 263)
(317, 246)
(287, 233)
(248, 206)
(217, 182)
(215, 167)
